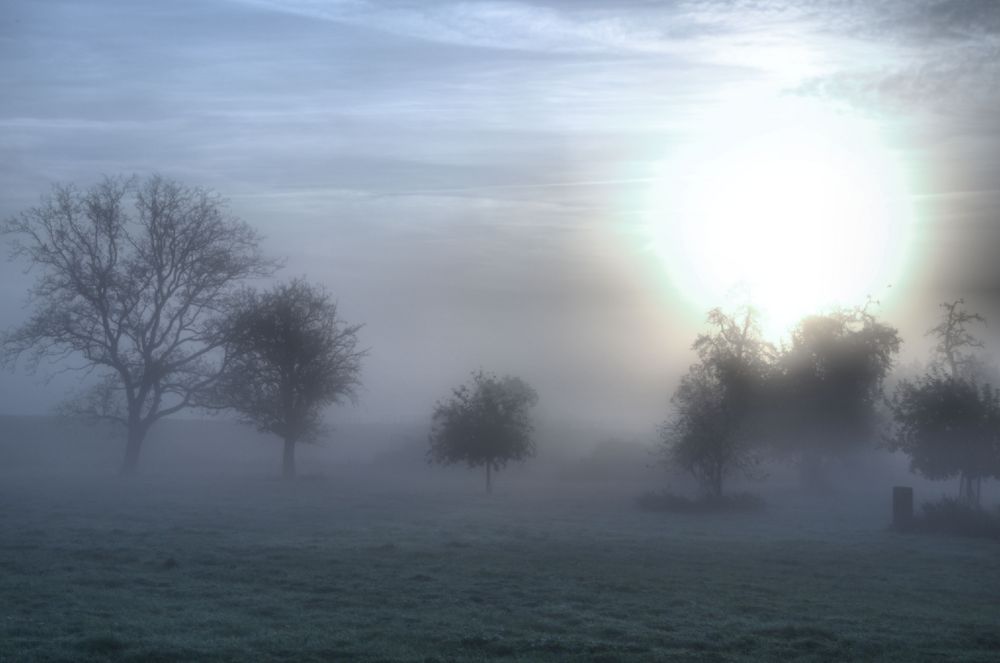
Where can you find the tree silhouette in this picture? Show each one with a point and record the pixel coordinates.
(132, 279)
(948, 420)
(485, 423)
(291, 356)
(826, 391)
(949, 426)
(955, 340)
(712, 433)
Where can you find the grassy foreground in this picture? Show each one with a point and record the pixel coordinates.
(326, 570)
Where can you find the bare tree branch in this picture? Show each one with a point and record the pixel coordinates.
(132, 277)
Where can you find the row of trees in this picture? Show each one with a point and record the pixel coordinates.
(821, 395)
(143, 285)
(146, 285)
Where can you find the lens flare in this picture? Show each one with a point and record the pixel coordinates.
(798, 218)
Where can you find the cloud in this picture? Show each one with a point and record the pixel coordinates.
(752, 35)
(958, 81)
(939, 56)
(948, 19)
(508, 25)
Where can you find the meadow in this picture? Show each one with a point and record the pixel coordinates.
(355, 565)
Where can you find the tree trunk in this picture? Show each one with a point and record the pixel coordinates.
(902, 507)
(813, 473)
(133, 444)
(717, 484)
(968, 490)
(489, 479)
(288, 459)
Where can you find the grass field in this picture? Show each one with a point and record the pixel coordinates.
(344, 569)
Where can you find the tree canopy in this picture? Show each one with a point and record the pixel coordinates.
(826, 390)
(291, 356)
(949, 426)
(485, 423)
(712, 432)
(948, 420)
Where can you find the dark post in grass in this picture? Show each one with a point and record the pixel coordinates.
(902, 506)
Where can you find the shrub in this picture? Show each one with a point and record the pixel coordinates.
(952, 516)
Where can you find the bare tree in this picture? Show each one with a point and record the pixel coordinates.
(291, 356)
(132, 279)
(954, 339)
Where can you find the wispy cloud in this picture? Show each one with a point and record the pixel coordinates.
(934, 55)
(509, 25)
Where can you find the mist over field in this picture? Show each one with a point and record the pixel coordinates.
(499, 330)
(372, 554)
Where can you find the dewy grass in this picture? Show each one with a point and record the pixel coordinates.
(330, 571)
(671, 503)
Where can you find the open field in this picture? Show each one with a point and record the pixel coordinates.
(349, 568)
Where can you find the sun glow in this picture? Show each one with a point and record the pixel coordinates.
(796, 217)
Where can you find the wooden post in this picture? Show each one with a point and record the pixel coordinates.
(902, 507)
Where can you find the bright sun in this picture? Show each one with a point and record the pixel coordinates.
(796, 217)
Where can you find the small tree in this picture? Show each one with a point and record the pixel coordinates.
(486, 423)
(948, 420)
(949, 426)
(704, 437)
(133, 277)
(712, 433)
(292, 356)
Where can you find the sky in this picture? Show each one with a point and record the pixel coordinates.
(499, 184)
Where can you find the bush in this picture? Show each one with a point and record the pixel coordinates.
(951, 516)
(668, 502)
